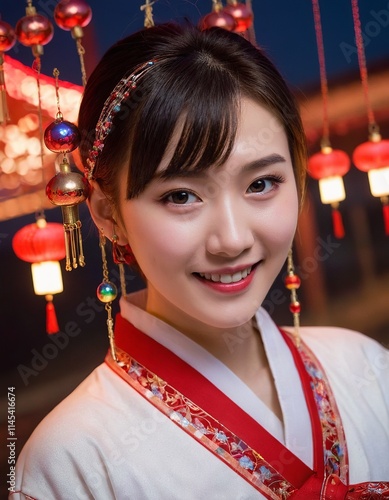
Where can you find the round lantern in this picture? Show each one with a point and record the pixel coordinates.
(328, 167)
(7, 36)
(72, 14)
(218, 18)
(241, 13)
(373, 157)
(34, 30)
(7, 41)
(43, 245)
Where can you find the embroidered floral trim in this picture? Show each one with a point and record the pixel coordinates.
(229, 447)
(205, 429)
(334, 442)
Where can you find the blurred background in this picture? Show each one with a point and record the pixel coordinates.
(344, 280)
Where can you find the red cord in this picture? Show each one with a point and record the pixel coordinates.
(362, 61)
(322, 65)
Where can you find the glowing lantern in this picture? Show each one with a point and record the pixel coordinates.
(328, 167)
(43, 245)
(373, 157)
(241, 13)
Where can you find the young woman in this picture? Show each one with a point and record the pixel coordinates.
(196, 156)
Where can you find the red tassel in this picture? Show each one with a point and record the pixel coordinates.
(385, 211)
(337, 223)
(51, 319)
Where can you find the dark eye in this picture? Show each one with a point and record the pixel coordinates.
(264, 185)
(181, 197)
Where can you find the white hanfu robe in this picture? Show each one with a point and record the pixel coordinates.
(105, 441)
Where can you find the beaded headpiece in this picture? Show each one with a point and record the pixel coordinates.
(111, 108)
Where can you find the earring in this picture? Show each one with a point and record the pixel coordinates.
(292, 283)
(106, 293)
(120, 260)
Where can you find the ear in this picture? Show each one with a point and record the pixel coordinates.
(103, 214)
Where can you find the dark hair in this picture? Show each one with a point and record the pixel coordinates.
(200, 77)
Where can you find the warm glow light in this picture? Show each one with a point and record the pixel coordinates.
(28, 86)
(47, 278)
(33, 146)
(8, 165)
(28, 123)
(332, 189)
(379, 181)
(11, 132)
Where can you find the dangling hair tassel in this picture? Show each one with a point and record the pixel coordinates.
(292, 283)
(68, 189)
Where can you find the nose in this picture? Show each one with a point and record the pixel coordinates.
(231, 232)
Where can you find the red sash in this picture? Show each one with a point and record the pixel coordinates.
(209, 416)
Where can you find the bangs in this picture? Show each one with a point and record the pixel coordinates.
(200, 107)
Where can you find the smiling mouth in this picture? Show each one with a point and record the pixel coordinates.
(226, 278)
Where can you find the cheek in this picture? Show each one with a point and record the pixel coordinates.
(158, 243)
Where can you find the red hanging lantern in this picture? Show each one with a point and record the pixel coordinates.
(7, 41)
(218, 18)
(43, 245)
(241, 13)
(328, 167)
(34, 30)
(373, 157)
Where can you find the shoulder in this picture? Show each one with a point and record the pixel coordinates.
(344, 343)
(77, 439)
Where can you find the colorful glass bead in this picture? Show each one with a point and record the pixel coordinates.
(34, 30)
(241, 13)
(295, 307)
(62, 136)
(71, 13)
(106, 292)
(292, 282)
(7, 36)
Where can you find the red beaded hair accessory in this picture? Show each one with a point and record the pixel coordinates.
(111, 108)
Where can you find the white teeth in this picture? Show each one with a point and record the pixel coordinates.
(227, 278)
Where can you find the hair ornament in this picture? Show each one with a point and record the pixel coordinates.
(111, 108)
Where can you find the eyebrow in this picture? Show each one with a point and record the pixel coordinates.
(264, 162)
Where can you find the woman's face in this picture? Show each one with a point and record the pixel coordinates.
(210, 245)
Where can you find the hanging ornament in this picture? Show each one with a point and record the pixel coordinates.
(372, 156)
(329, 165)
(67, 189)
(241, 13)
(7, 41)
(148, 10)
(34, 30)
(73, 15)
(218, 18)
(42, 244)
